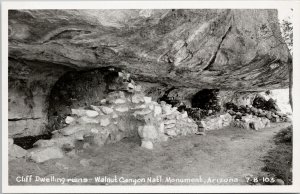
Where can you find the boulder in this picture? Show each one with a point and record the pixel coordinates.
(144, 111)
(69, 130)
(161, 128)
(69, 119)
(86, 120)
(113, 96)
(157, 110)
(15, 151)
(91, 113)
(138, 88)
(142, 106)
(167, 109)
(101, 137)
(78, 112)
(130, 87)
(216, 122)
(147, 145)
(241, 124)
(95, 108)
(82, 112)
(59, 141)
(120, 101)
(147, 99)
(171, 132)
(148, 132)
(122, 108)
(104, 121)
(40, 155)
(106, 110)
(137, 98)
(45, 143)
(184, 115)
(256, 125)
(114, 115)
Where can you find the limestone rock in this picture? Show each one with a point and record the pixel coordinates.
(101, 137)
(241, 124)
(171, 132)
(161, 127)
(147, 145)
(69, 130)
(78, 112)
(157, 110)
(91, 113)
(142, 106)
(166, 109)
(147, 99)
(15, 151)
(59, 141)
(40, 155)
(86, 120)
(104, 122)
(93, 130)
(138, 88)
(44, 143)
(147, 132)
(95, 108)
(106, 110)
(122, 108)
(114, 116)
(120, 101)
(142, 112)
(204, 37)
(112, 97)
(184, 115)
(137, 98)
(69, 120)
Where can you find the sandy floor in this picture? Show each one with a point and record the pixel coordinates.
(223, 155)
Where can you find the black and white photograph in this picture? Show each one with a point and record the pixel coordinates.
(135, 95)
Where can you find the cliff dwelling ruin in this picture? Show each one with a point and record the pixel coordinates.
(86, 79)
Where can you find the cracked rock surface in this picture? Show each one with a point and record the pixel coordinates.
(189, 48)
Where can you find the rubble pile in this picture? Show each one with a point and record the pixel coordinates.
(257, 116)
(251, 122)
(216, 122)
(121, 114)
(261, 103)
(250, 117)
(273, 116)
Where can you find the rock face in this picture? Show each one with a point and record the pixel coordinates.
(182, 50)
(191, 48)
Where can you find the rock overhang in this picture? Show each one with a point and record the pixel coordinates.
(224, 49)
(178, 52)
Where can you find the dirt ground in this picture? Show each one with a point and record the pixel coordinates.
(223, 156)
